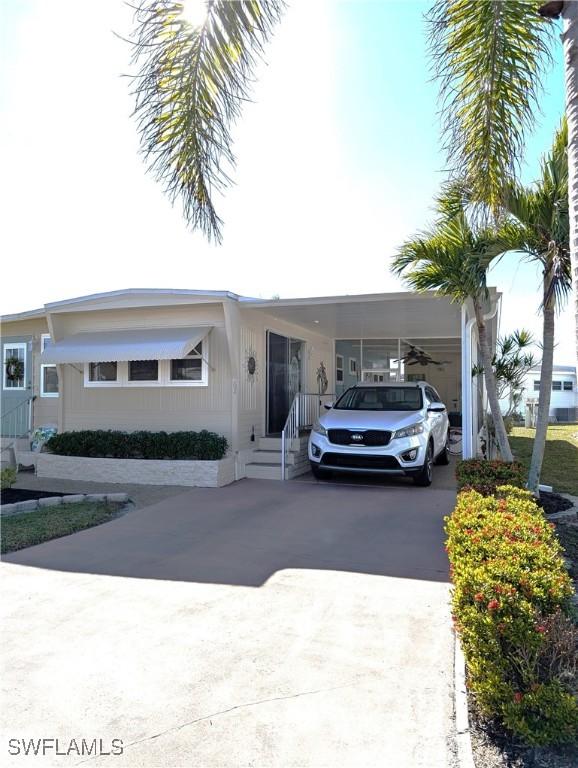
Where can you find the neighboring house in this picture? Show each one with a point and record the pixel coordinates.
(564, 396)
(186, 359)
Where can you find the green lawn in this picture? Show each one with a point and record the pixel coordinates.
(560, 467)
(29, 528)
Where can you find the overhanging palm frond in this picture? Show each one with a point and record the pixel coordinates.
(189, 89)
(489, 56)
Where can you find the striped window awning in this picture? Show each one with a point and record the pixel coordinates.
(111, 346)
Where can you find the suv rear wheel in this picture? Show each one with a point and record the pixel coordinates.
(425, 475)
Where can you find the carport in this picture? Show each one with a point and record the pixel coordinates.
(401, 337)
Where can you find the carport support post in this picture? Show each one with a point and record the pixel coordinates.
(467, 382)
(233, 331)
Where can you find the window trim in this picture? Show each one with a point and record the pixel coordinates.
(100, 384)
(164, 370)
(128, 382)
(14, 345)
(202, 382)
(43, 338)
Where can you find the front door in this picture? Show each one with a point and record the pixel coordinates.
(284, 378)
(16, 385)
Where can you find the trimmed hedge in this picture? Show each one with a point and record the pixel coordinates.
(103, 444)
(485, 476)
(511, 608)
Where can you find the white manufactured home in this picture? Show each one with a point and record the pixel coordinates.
(253, 370)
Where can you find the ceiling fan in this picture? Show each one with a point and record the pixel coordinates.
(417, 356)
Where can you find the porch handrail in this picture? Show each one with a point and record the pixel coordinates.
(10, 421)
(303, 413)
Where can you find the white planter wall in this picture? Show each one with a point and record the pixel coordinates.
(204, 474)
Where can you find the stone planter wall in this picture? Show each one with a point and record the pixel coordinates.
(205, 474)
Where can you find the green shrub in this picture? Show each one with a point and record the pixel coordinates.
(511, 608)
(100, 443)
(485, 476)
(8, 477)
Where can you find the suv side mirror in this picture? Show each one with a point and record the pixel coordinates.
(436, 408)
(328, 406)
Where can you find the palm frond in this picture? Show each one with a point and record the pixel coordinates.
(191, 83)
(489, 57)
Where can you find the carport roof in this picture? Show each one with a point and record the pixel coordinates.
(383, 315)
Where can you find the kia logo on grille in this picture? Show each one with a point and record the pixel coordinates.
(357, 437)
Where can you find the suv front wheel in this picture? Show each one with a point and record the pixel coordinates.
(425, 475)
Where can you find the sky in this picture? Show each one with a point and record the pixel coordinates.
(338, 160)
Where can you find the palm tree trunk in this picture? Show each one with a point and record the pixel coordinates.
(491, 388)
(570, 42)
(545, 388)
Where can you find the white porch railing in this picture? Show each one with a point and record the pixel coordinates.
(303, 414)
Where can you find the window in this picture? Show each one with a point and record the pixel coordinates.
(102, 372)
(380, 399)
(190, 370)
(338, 368)
(432, 395)
(143, 370)
(14, 376)
(536, 385)
(353, 366)
(568, 386)
(556, 386)
(48, 374)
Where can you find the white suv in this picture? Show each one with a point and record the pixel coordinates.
(393, 429)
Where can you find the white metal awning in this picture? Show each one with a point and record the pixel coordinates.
(109, 346)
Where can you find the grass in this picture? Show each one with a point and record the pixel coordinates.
(560, 467)
(29, 528)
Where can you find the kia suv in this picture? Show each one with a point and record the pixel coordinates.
(390, 429)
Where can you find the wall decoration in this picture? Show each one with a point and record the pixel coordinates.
(251, 365)
(322, 380)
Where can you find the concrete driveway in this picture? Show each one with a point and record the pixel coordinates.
(261, 624)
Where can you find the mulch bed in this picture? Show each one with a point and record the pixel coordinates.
(12, 495)
(553, 502)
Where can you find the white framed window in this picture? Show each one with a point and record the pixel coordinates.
(557, 386)
(102, 374)
(353, 366)
(48, 374)
(536, 385)
(568, 386)
(14, 365)
(338, 368)
(189, 371)
(143, 373)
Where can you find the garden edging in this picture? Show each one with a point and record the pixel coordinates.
(48, 502)
(204, 474)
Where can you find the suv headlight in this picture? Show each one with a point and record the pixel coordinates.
(320, 429)
(413, 429)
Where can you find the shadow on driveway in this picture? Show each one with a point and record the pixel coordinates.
(243, 533)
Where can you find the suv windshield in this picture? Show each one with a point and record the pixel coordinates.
(380, 399)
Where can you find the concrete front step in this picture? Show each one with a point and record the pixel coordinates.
(273, 471)
(272, 457)
(274, 443)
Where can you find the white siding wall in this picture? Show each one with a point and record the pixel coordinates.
(252, 394)
(154, 408)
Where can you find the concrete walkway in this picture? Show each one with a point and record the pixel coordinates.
(261, 624)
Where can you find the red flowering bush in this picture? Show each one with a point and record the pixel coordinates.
(485, 476)
(511, 607)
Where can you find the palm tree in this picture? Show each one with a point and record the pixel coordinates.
(539, 227)
(489, 57)
(194, 75)
(452, 259)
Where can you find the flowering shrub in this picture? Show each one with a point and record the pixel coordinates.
(484, 476)
(511, 606)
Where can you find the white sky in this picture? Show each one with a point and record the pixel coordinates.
(80, 215)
